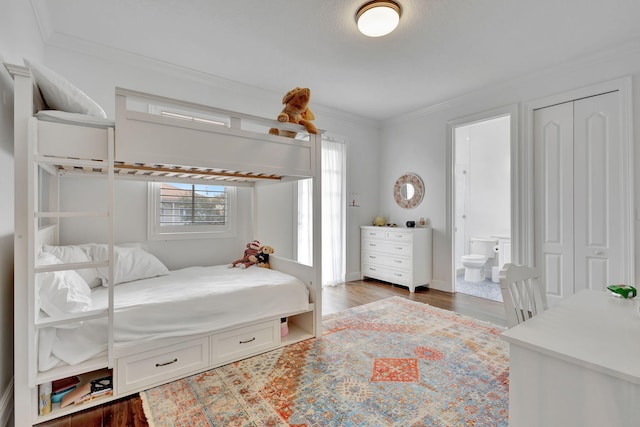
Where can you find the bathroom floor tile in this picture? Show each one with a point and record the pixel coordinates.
(485, 289)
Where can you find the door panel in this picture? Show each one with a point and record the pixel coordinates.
(598, 198)
(553, 157)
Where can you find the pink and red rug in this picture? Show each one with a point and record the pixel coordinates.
(393, 362)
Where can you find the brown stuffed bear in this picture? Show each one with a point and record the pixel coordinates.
(296, 111)
(262, 258)
(252, 250)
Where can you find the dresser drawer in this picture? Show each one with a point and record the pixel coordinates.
(386, 247)
(244, 342)
(401, 236)
(143, 370)
(387, 260)
(374, 234)
(387, 274)
(400, 277)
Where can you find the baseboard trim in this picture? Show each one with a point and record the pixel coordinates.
(440, 285)
(6, 404)
(351, 277)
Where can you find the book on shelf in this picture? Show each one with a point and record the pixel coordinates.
(88, 391)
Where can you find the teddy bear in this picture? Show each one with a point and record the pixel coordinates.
(252, 250)
(296, 110)
(262, 257)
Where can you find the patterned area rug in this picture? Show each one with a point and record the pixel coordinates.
(393, 362)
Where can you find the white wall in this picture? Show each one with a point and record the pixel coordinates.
(417, 142)
(489, 179)
(19, 37)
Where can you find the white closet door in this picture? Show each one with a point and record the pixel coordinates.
(579, 200)
(553, 157)
(598, 199)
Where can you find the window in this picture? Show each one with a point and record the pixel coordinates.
(179, 210)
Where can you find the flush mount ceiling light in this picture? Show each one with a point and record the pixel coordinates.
(378, 18)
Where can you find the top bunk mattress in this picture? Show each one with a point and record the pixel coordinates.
(188, 301)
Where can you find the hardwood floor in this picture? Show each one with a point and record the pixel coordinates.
(127, 412)
(362, 292)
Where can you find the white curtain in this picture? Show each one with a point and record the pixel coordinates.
(334, 204)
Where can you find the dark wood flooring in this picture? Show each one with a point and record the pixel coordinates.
(127, 412)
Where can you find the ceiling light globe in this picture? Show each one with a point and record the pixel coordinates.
(378, 18)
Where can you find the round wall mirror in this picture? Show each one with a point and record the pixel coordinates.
(408, 191)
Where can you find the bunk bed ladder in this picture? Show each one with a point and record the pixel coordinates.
(34, 216)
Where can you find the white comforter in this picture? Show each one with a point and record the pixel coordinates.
(187, 301)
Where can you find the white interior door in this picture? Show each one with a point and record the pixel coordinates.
(579, 200)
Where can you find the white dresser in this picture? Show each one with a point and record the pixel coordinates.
(397, 255)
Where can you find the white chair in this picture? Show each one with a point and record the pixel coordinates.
(522, 292)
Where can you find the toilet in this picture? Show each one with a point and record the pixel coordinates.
(481, 249)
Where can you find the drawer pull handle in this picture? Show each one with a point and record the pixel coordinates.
(399, 248)
(372, 244)
(248, 341)
(166, 363)
(397, 261)
(372, 257)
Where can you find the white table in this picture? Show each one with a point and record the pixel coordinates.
(577, 364)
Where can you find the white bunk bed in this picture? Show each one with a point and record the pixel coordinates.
(142, 145)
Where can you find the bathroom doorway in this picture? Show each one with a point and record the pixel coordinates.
(481, 203)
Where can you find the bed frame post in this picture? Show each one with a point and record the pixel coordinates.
(23, 244)
(317, 230)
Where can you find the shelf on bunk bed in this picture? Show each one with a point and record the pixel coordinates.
(85, 377)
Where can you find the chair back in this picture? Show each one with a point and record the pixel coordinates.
(522, 292)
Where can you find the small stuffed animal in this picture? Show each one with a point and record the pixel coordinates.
(262, 258)
(252, 250)
(296, 110)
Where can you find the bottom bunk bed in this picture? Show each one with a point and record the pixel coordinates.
(166, 326)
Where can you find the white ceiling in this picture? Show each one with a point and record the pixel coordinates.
(441, 49)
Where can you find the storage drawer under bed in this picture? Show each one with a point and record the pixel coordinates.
(244, 342)
(149, 368)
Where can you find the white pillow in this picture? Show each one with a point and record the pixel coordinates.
(77, 253)
(61, 292)
(131, 263)
(60, 94)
